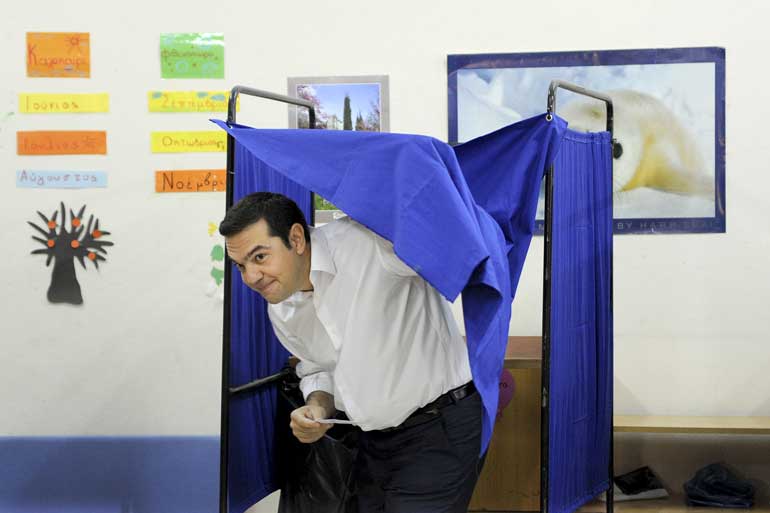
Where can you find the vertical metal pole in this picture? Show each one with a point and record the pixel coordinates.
(224, 431)
(545, 365)
(546, 359)
(611, 490)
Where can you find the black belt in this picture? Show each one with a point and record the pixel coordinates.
(431, 410)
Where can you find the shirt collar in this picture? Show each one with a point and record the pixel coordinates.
(320, 257)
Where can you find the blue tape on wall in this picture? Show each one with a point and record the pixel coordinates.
(109, 474)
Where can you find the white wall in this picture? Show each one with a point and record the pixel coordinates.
(142, 355)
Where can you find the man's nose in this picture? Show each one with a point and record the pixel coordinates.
(252, 275)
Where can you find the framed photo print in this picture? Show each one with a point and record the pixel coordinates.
(357, 103)
(669, 172)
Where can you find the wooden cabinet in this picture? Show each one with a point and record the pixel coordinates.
(510, 480)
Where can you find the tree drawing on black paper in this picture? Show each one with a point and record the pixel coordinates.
(64, 245)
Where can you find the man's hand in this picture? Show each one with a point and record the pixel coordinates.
(304, 426)
(320, 405)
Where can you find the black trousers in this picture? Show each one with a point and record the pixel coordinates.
(428, 468)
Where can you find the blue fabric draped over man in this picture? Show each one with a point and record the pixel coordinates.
(461, 217)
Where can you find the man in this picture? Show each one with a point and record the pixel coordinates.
(375, 341)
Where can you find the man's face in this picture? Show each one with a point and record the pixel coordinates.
(267, 266)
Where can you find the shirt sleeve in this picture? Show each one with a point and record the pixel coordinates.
(312, 376)
(313, 379)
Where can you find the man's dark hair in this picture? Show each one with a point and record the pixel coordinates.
(279, 212)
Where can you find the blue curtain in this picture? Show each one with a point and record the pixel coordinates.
(254, 353)
(580, 397)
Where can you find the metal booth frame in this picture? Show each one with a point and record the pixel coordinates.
(229, 391)
(548, 252)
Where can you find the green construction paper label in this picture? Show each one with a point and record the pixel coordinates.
(192, 55)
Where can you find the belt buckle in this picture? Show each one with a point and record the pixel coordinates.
(461, 393)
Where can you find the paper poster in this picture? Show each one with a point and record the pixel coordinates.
(359, 103)
(192, 55)
(64, 142)
(216, 275)
(26, 179)
(73, 103)
(188, 142)
(191, 180)
(64, 242)
(188, 101)
(58, 54)
(668, 115)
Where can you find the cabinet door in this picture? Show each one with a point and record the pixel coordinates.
(510, 480)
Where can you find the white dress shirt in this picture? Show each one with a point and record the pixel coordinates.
(372, 332)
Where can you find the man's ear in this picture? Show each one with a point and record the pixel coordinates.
(297, 238)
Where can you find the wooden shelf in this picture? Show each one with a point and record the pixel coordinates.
(666, 424)
(524, 353)
(673, 504)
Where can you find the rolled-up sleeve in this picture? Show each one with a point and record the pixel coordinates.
(313, 378)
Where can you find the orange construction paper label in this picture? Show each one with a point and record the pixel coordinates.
(65, 142)
(191, 180)
(58, 54)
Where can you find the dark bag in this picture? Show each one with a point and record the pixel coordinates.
(638, 481)
(317, 477)
(715, 485)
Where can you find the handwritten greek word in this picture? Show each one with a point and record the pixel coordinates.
(168, 54)
(191, 180)
(35, 103)
(188, 101)
(65, 142)
(60, 179)
(185, 142)
(58, 54)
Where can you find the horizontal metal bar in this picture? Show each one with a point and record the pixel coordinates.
(237, 90)
(260, 382)
(577, 89)
(557, 84)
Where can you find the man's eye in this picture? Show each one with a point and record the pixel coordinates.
(259, 257)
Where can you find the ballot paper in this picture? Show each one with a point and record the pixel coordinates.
(334, 421)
